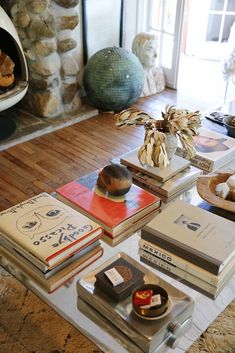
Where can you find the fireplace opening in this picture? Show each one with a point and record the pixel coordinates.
(13, 73)
(10, 48)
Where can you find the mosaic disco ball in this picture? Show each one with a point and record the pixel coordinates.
(113, 79)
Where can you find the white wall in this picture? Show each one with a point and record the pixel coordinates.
(134, 20)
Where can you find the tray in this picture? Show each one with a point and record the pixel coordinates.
(146, 334)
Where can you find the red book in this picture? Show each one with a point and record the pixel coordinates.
(114, 213)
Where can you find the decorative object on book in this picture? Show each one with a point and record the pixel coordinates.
(150, 301)
(135, 333)
(144, 46)
(116, 214)
(115, 179)
(229, 123)
(161, 136)
(207, 186)
(132, 278)
(193, 234)
(45, 230)
(113, 79)
(213, 150)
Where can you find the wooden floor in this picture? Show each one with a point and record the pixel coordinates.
(47, 162)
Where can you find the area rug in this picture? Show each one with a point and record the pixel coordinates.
(28, 325)
(220, 335)
(29, 126)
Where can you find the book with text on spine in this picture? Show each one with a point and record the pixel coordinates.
(187, 266)
(181, 275)
(194, 234)
(213, 150)
(46, 229)
(26, 272)
(178, 183)
(114, 213)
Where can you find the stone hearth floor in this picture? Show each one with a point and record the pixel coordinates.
(29, 126)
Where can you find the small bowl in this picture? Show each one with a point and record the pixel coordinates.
(227, 123)
(156, 310)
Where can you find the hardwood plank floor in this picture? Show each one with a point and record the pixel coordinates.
(47, 162)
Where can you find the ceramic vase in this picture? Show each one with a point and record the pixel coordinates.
(171, 143)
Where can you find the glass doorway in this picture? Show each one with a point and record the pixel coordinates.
(195, 37)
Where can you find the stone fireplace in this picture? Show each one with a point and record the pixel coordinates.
(50, 35)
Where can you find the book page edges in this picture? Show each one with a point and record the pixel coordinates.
(59, 278)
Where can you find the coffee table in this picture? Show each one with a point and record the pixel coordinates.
(65, 299)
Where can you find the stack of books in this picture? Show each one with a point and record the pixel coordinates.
(213, 150)
(119, 216)
(47, 242)
(167, 183)
(191, 244)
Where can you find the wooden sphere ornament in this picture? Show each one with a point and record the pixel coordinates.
(115, 179)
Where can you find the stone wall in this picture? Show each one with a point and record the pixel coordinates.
(45, 28)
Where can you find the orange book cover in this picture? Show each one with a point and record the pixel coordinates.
(109, 210)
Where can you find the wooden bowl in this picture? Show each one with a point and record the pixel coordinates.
(206, 185)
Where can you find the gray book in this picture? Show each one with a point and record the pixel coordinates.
(196, 235)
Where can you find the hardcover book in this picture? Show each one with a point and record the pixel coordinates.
(196, 235)
(183, 276)
(132, 278)
(51, 272)
(27, 272)
(130, 230)
(45, 230)
(213, 150)
(172, 186)
(114, 213)
(177, 164)
(187, 266)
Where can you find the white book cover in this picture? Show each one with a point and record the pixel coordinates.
(195, 231)
(213, 149)
(177, 164)
(47, 228)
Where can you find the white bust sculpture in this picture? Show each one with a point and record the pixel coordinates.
(144, 46)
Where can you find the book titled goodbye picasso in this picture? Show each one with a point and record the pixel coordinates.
(45, 230)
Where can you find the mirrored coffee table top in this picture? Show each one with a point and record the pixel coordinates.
(65, 299)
